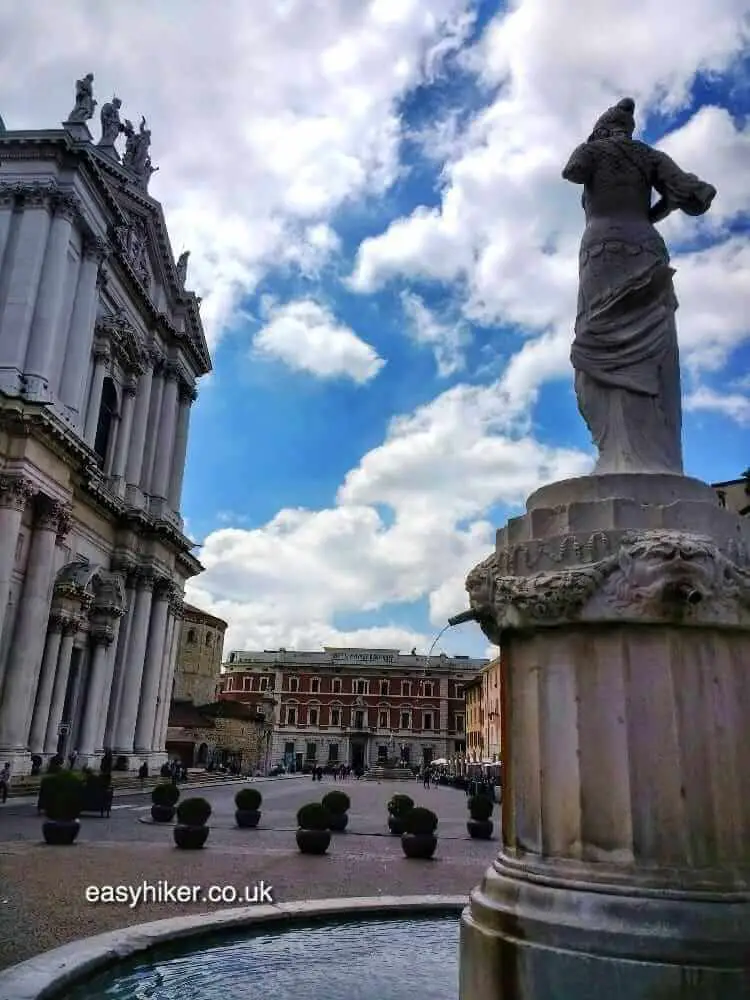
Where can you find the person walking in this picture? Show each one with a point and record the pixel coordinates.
(4, 783)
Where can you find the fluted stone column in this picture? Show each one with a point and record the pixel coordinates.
(188, 395)
(144, 730)
(136, 447)
(124, 431)
(131, 691)
(162, 723)
(44, 346)
(25, 273)
(24, 661)
(43, 703)
(80, 334)
(164, 677)
(60, 688)
(96, 682)
(121, 653)
(153, 427)
(164, 456)
(15, 494)
(101, 361)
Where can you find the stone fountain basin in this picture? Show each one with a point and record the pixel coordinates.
(111, 958)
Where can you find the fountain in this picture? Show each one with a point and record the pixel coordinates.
(621, 605)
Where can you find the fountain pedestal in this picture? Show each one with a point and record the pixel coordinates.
(622, 608)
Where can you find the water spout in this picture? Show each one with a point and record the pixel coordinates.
(465, 616)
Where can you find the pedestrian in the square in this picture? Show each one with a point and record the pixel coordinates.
(4, 783)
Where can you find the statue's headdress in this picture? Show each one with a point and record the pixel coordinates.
(619, 118)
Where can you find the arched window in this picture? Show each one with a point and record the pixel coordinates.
(208, 639)
(107, 414)
(191, 635)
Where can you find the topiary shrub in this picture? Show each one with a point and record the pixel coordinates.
(63, 796)
(313, 816)
(248, 799)
(480, 807)
(420, 822)
(400, 805)
(193, 812)
(165, 794)
(336, 802)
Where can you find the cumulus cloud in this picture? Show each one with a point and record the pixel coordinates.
(447, 339)
(306, 337)
(733, 405)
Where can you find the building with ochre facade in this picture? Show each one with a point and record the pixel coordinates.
(101, 347)
(483, 710)
(356, 706)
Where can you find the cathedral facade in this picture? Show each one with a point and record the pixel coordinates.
(101, 347)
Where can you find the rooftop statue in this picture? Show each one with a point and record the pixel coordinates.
(136, 156)
(111, 125)
(182, 266)
(625, 354)
(85, 103)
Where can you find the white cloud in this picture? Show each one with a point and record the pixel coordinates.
(733, 405)
(306, 337)
(447, 340)
(266, 118)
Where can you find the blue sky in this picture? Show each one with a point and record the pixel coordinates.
(371, 194)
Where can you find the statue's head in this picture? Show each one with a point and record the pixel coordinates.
(617, 120)
(89, 77)
(117, 102)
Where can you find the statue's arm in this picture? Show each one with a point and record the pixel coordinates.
(580, 166)
(678, 190)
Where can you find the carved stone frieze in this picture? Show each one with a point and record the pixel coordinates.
(67, 205)
(133, 244)
(95, 248)
(651, 576)
(15, 491)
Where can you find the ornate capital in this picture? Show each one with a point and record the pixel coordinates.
(8, 195)
(37, 195)
(71, 626)
(102, 351)
(56, 622)
(145, 579)
(64, 524)
(164, 589)
(67, 205)
(102, 635)
(652, 577)
(131, 387)
(51, 515)
(95, 248)
(156, 358)
(188, 394)
(15, 491)
(171, 371)
(177, 605)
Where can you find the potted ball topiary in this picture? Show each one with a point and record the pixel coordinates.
(247, 814)
(314, 834)
(480, 825)
(418, 839)
(63, 802)
(398, 807)
(337, 805)
(191, 832)
(164, 798)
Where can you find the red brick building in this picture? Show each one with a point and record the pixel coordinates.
(355, 706)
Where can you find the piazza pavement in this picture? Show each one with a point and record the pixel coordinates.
(43, 900)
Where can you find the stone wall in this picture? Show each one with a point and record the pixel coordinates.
(199, 656)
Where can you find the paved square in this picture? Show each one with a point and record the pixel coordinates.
(43, 889)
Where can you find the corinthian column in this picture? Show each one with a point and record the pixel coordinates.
(29, 636)
(70, 630)
(15, 494)
(101, 359)
(80, 333)
(165, 694)
(188, 395)
(93, 723)
(43, 344)
(40, 717)
(25, 268)
(121, 652)
(125, 430)
(144, 730)
(131, 690)
(165, 445)
(153, 426)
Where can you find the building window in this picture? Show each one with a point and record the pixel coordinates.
(405, 689)
(294, 683)
(406, 720)
(312, 717)
(362, 687)
(382, 753)
(359, 720)
(406, 754)
(459, 723)
(263, 684)
(333, 753)
(107, 414)
(230, 684)
(383, 720)
(336, 685)
(426, 720)
(426, 756)
(312, 752)
(291, 716)
(315, 685)
(384, 687)
(247, 683)
(208, 638)
(191, 638)
(335, 717)
(427, 689)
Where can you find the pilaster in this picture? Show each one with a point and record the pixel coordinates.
(15, 494)
(136, 447)
(131, 691)
(124, 436)
(60, 687)
(187, 396)
(80, 333)
(144, 731)
(101, 361)
(43, 702)
(154, 429)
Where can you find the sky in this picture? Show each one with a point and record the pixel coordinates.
(387, 254)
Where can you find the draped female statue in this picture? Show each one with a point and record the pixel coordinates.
(625, 355)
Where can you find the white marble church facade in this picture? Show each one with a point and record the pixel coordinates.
(101, 347)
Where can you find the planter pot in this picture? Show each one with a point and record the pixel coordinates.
(190, 838)
(61, 832)
(419, 845)
(395, 825)
(479, 829)
(247, 819)
(313, 841)
(162, 814)
(337, 822)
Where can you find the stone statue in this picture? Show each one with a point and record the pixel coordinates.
(182, 266)
(136, 156)
(111, 124)
(625, 355)
(85, 103)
